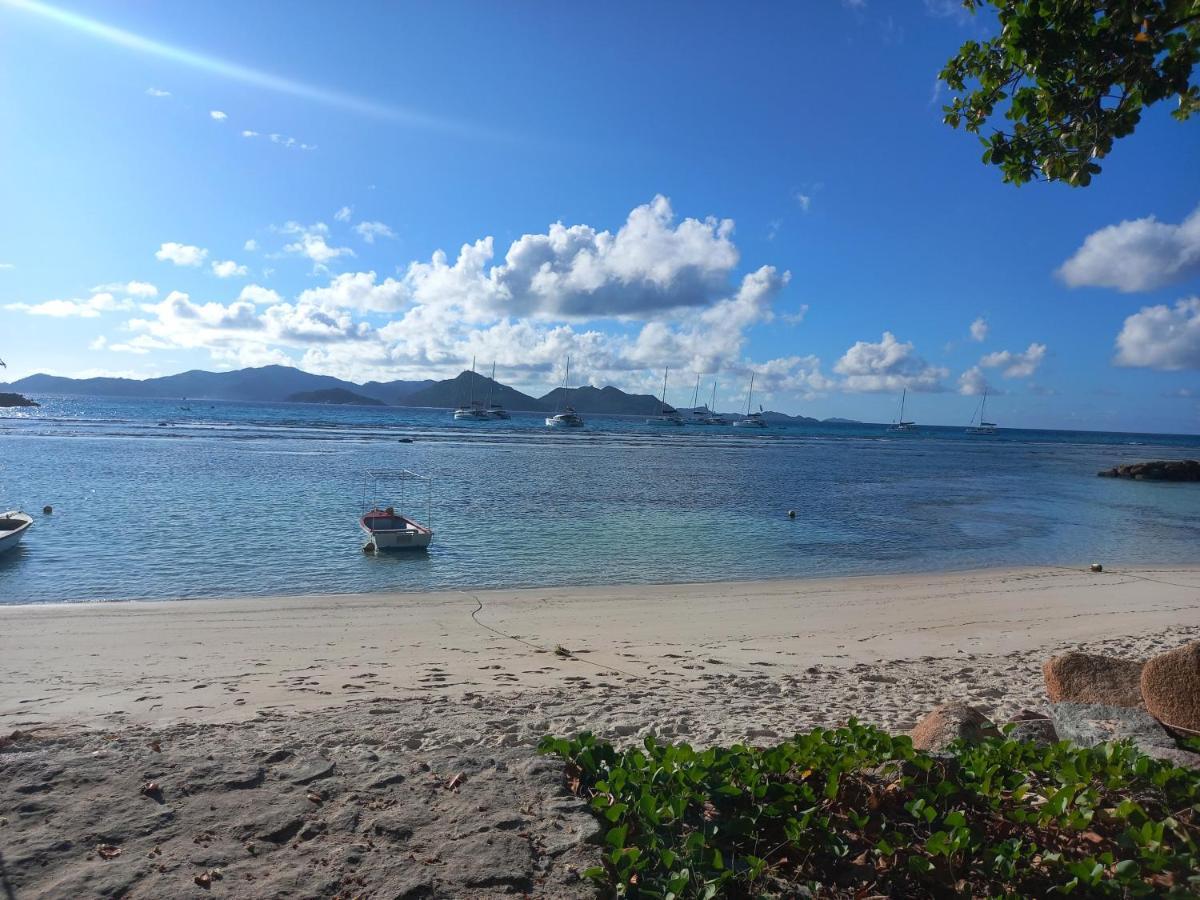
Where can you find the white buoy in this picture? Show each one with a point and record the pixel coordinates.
(1096, 567)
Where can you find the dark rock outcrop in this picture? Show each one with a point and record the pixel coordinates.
(1156, 470)
(11, 400)
(1091, 678)
(1171, 687)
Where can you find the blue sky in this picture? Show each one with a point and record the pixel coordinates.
(714, 188)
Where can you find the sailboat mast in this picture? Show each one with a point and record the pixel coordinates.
(696, 392)
(983, 407)
(493, 384)
(903, 397)
(713, 409)
(750, 394)
(662, 404)
(471, 384)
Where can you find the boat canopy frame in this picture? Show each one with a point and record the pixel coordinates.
(409, 482)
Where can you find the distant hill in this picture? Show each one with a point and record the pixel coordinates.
(608, 401)
(836, 421)
(335, 396)
(392, 392)
(779, 418)
(468, 386)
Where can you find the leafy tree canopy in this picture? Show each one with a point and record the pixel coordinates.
(1071, 76)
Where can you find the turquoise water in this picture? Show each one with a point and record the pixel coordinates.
(152, 500)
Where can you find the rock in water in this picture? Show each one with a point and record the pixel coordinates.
(1157, 470)
(949, 722)
(1091, 678)
(1171, 686)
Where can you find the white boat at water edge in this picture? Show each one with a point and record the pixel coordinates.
(711, 417)
(977, 424)
(901, 424)
(495, 410)
(13, 524)
(566, 417)
(385, 528)
(751, 419)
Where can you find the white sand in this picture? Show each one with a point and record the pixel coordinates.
(707, 662)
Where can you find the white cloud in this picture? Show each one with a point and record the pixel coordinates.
(254, 293)
(1162, 337)
(155, 92)
(227, 268)
(888, 365)
(90, 308)
(247, 133)
(290, 142)
(973, 382)
(250, 246)
(128, 288)
(98, 343)
(4, 265)
(368, 231)
(979, 329)
(181, 254)
(311, 243)
(804, 201)
(343, 214)
(1136, 255)
(797, 317)
(217, 115)
(1016, 365)
(359, 291)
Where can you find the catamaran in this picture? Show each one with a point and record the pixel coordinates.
(473, 410)
(713, 417)
(666, 415)
(495, 410)
(902, 425)
(977, 424)
(567, 417)
(387, 529)
(751, 419)
(13, 524)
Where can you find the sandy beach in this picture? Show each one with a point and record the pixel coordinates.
(381, 695)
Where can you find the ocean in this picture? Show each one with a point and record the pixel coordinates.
(159, 499)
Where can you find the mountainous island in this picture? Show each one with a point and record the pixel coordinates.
(12, 400)
(274, 384)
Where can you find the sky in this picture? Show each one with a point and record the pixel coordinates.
(389, 190)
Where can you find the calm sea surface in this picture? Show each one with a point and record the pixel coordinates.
(153, 500)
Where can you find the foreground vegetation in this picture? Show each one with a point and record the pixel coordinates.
(856, 812)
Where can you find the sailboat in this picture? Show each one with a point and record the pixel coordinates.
(495, 410)
(666, 415)
(751, 420)
(567, 417)
(714, 417)
(474, 408)
(699, 414)
(980, 426)
(902, 425)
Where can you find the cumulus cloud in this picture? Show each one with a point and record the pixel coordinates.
(217, 115)
(804, 201)
(254, 293)
(1016, 365)
(343, 214)
(181, 254)
(1136, 255)
(368, 231)
(290, 142)
(310, 242)
(361, 291)
(248, 133)
(155, 92)
(888, 365)
(227, 268)
(90, 308)
(139, 289)
(973, 382)
(250, 246)
(979, 329)
(1162, 337)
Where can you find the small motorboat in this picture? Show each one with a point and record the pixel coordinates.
(13, 525)
(387, 529)
(568, 418)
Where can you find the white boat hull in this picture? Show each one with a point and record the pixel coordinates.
(389, 531)
(561, 422)
(13, 526)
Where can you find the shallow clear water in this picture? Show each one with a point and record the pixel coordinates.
(152, 500)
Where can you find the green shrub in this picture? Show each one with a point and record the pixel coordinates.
(857, 812)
